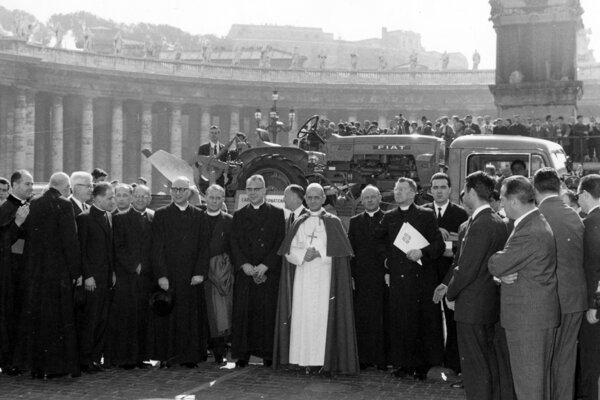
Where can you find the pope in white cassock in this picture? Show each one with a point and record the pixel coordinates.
(317, 328)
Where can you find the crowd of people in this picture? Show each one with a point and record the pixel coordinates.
(504, 292)
(579, 138)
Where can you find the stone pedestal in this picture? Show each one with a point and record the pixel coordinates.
(175, 128)
(536, 71)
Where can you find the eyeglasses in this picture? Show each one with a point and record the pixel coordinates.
(90, 186)
(140, 197)
(249, 189)
(179, 189)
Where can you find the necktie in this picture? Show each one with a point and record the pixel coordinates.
(215, 150)
(439, 213)
(291, 219)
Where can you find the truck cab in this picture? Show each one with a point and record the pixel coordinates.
(472, 153)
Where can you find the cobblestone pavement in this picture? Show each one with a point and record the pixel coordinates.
(211, 382)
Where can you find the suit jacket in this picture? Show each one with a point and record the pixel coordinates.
(96, 241)
(204, 150)
(471, 285)
(531, 302)
(568, 234)
(132, 233)
(76, 209)
(591, 247)
(451, 220)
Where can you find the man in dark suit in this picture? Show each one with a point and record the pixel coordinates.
(589, 336)
(128, 316)
(214, 146)
(416, 328)
(368, 275)
(47, 338)
(476, 296)
(568, 235)
(81, 186)
(517, 128)
(476, 130)
(96, 242)
(529, 303)
(449, 218)
(13, 213)
(259, 231)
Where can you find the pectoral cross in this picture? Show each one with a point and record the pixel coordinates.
(312, 236)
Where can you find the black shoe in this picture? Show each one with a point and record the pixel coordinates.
(219, 360)
(76, 374)
(363, 366)
(382, 367)
(164, 364)
(399, 373)
(96, 367)
(420, 376)
(37, 374)
(457, 385)
(241, 363)
(189, 365)
(143, 365)
(128, 366)
(267, 362)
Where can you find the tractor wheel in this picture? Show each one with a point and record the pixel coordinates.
(278, 172)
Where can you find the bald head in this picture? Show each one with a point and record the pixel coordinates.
(141, 197)
(61, 182)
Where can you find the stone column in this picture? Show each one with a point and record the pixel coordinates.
(87, 135)
(234, 125)
(146, 167)
(19, 138)
(56, 139)
(6, 132)
(247, 125)
(382, 120)
(175, 130)
(116, 143)
(205, 125)
(30, 132)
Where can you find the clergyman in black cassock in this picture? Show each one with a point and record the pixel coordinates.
(47, 336)
(12, 264)
(415, 320)
(255, 240)
(96, 241)
(368, 274)
(127, 337)
(179, 255)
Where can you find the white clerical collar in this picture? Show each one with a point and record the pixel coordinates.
(317, 213)
(405, 208)
(213, 213)
(547, 197)
(371, 213)
(256, 207)
(182, 208)
(443, 207)
(98, 208)
(524, 215)
(18, 198)
(478, 210)
(138, 211)
(593, 208)
(123, 211)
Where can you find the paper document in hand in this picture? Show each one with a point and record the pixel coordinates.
(410, 239)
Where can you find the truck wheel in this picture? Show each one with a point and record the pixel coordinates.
(278, 172)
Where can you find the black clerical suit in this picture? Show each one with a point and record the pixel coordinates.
(96, 242)
(450, 220)
(255, 239)
(370, 290)
(179, 252)
(11, 270)
(47, 338)
(415, 321)
(128, 318)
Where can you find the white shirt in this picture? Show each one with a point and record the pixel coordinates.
(213, 213)
(523, 216)
(258, 206)
(443, 207)
(182, 208)
(297, 212)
